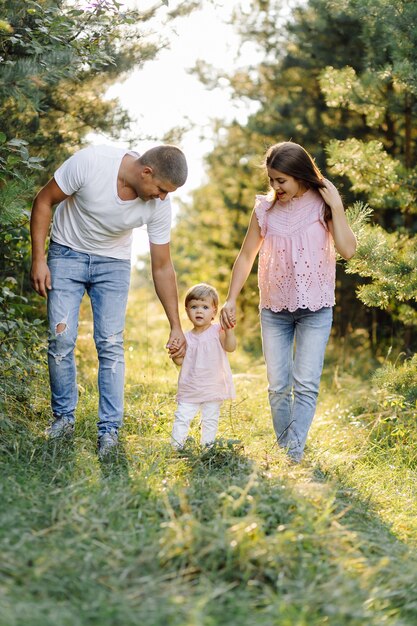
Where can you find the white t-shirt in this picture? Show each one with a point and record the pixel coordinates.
(94, 219)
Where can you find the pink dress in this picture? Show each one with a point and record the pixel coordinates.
(205, 374)
(297, 259)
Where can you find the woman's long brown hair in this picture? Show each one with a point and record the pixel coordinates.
(292, 159)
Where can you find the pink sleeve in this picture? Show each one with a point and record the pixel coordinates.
(261, 207)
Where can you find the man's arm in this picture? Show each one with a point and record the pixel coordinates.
(40, 222)
(165, 282)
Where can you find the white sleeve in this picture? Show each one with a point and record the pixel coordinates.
(159, 226)
(73, 173)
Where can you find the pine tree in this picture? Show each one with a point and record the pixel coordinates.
(384, 172)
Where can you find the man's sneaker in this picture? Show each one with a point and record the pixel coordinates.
(107, 443)
(61, 427)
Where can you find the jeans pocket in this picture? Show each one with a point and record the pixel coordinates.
(58, 251)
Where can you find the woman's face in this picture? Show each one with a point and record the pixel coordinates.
(286, 187)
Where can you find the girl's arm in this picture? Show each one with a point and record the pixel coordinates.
(172, 349)
(241, 271)
(228, 339)
(344, 239)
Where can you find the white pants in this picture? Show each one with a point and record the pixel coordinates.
(186, 411)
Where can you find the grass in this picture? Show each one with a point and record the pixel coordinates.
(229, 536)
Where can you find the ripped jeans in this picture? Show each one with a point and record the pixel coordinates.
(106, 281)
(294, 344)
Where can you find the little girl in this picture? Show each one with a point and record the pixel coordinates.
(205, 378)
(295, 229)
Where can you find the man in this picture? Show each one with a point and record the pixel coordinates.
(102, 193)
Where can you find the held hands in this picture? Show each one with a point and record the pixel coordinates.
(40, 277)
(330, 195)
(176, 345)
(228, 315)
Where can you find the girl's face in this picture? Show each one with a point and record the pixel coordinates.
(201, 312)
(286, 187)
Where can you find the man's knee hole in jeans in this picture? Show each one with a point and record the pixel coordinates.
(60, 329)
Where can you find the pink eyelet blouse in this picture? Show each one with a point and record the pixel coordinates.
(297, 259)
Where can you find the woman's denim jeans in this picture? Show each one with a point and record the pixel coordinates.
(106, 281)
(294, 374)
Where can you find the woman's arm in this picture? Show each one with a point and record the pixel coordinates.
(344, 239)
(241, 271)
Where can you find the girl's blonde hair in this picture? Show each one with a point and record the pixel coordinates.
(202, 290)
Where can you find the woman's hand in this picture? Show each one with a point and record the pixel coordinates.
(228, 315)
(330, 195)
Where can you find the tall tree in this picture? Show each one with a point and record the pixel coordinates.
(384, 171)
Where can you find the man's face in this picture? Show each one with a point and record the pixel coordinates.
(150, 187)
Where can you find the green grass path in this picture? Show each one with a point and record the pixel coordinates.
(233, 536)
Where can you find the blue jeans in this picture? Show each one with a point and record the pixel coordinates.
(106, 281)
(294, 344)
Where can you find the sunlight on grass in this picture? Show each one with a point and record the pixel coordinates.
(229, 535)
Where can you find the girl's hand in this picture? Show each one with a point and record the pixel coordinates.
(330, 195)
(228, 315)
(176, 345)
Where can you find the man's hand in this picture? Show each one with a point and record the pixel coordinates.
(177, 344)
(228, 315)
(40, 277)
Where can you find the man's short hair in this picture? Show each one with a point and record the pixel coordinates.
(168, 162)
(200, 291)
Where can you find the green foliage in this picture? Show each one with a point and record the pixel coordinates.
(20, 352)
(382, 21)
(372, 171)
(399, 381)
(389, 259)
(383, 170)
(343, 88)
